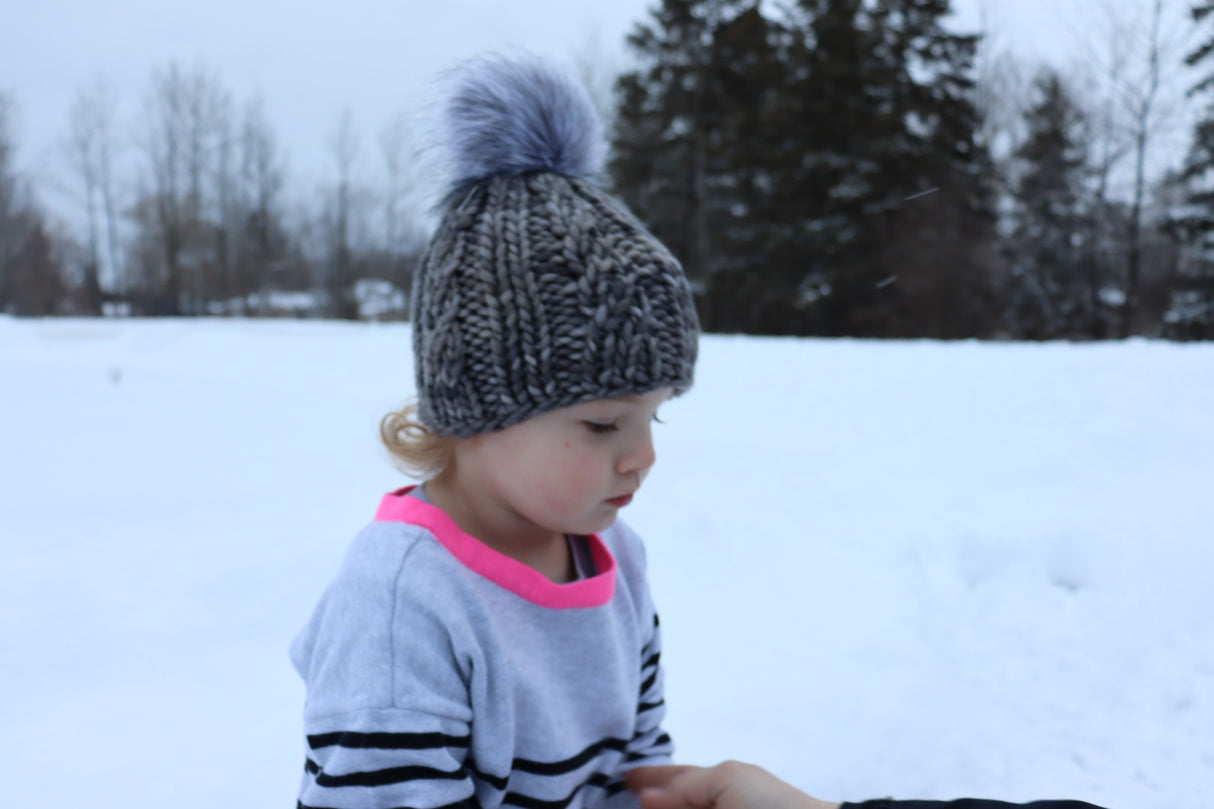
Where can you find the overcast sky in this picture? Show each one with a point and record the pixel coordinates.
(310, 59)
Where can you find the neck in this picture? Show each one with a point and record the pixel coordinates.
(501, 529)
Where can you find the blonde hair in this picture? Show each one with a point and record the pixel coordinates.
(416, 451)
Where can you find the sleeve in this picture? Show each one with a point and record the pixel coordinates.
(650, 744)
(965, 803)
(387, 721)
(373, 759)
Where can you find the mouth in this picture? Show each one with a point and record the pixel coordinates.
(621, 501)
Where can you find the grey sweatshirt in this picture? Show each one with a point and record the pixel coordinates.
(441, 673)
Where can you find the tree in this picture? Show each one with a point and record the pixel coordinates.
(32, 282)
(784, 160)
(402, 234)
(1191, 311)
(39, 285)
(1143, 101)
(179, 213)
(1134, 98)
(1055, 283)
(343, 221)
(82, 153)
(666, 133)
(260, 237)
(11, 227)
(894, 186)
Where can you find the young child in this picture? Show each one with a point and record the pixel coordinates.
(490, 639)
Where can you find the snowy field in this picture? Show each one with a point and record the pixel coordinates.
(919, 569)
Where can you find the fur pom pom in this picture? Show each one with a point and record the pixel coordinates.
(511, 116)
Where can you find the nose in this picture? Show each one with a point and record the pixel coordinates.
(639, 455)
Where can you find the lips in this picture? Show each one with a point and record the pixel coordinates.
(621, 501)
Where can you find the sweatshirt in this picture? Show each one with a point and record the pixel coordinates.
(441, 673)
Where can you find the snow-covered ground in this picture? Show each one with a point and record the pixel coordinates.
(918, 569)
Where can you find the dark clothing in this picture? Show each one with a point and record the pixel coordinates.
(966, 803)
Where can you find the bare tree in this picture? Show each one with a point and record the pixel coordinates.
(1142, 99)
(401, 219)
(1002, 91)
(10, 227)
(32, 282)
(263, 241)
(1138, 97)
(91, 148)
(345, 144)
(186, 133)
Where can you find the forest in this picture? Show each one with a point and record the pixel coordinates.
(822, 167)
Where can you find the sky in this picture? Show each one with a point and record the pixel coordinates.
(310, 61)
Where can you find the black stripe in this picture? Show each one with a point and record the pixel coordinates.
(653, 640)
(569, 764)
(498, 782)
(648, 684)
(527, 802)
(652, 660)
(384, 777)
(466, 803)
(663, 739)
(649, 706)
(552, 767)
(386, 741)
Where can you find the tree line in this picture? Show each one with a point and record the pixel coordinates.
(201, 221)
(821, 167)
(851, 167)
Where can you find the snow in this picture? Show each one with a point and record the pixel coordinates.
(913, 569)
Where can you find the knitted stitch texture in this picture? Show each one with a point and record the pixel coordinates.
(540, 290)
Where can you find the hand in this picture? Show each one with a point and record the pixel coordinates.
(730, 785)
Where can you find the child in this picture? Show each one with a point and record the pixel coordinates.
(490, 640)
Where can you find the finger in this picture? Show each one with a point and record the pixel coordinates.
(655, 777)
(684, 788)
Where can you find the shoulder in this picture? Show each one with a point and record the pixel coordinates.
(376, 558)
(385, 566)
(381, 602)
(394, 566)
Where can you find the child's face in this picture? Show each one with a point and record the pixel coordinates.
(567, 471)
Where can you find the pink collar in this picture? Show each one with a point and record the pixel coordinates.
(498, 568)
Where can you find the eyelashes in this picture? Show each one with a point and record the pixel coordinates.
(608, 427)
(600, 427)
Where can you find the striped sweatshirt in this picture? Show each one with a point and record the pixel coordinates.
(441, 673)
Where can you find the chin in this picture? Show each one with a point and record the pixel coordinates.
(604, 524)
(591, 526)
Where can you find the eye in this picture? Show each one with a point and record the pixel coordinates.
(600, 427)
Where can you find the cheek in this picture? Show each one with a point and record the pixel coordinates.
(570, 476)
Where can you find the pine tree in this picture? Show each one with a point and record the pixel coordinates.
(670, 136)
(775, 157)
(1191, 313)
(889, 115)
(1054, 286)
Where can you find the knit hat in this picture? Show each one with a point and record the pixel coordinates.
(539, 290)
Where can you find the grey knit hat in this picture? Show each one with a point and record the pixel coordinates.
(539, 290)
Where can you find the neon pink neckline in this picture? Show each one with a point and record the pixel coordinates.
(502, 570)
